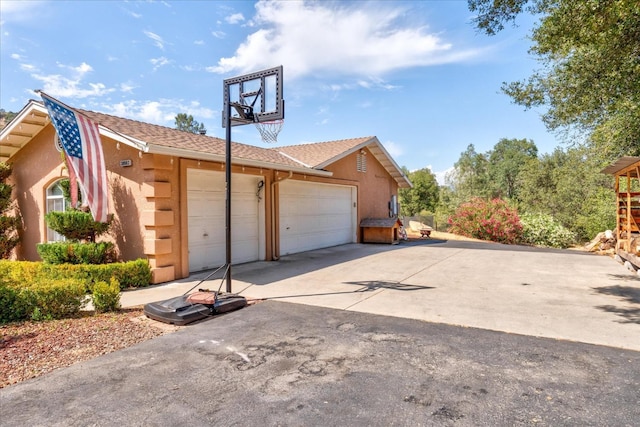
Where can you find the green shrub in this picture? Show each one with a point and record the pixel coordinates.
(106, 296)
(490, 220)
(76, 225)
(42, 299)
(130, 274)
(12, 307)
(543, 230)
(76, 253)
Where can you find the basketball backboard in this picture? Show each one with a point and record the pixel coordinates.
(254, 97)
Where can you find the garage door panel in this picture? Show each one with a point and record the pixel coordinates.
(314, 216)
(207, 224)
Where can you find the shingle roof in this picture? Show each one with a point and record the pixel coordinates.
(174, 138)
(320, 153)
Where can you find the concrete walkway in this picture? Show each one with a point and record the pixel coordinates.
(561, 294)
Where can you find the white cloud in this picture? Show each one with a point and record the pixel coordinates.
(331, 37)
(161, 112)
(19, 10)
(70, 85)
(235, 18)
(199, 42)
(159, 62)
(127, 87)
(157, 40)
(218, 34)
(442, 176)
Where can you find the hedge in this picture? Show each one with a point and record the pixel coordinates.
(38, 291)
(130, 274)
(42, 299)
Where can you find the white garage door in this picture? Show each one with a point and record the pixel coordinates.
(314, 216)
(206, 216)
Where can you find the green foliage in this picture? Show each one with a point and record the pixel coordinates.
(590, 75)
(106, 296)
(506, 160)
(568, 186)
(543, 230)
(187, 123)
(470, 177)
(77, 253)
(424, 194)
(130, 274)
(34, 290)
(490, 220)
(10, 222)
(41, 299)
(76, 225)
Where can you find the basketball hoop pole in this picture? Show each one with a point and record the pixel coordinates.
(228, 197)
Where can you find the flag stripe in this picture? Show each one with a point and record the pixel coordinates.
(80, 138)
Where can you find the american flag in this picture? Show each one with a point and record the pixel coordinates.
(80, 138)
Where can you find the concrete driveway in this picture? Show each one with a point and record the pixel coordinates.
(560, 294)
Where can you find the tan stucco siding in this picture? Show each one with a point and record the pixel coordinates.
(35, 167)
(376, 185)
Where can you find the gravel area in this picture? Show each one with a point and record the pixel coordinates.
(31, 349)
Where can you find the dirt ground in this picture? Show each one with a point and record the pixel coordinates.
(31, 349)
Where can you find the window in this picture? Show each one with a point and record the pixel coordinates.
(361, 162)
(55, 202)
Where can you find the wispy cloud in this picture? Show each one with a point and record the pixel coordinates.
(357, 40)
(159, 62)
(218, 34)
(199, 42)
(157, 40)
(235, 18)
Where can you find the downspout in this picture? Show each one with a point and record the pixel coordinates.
(275, 221)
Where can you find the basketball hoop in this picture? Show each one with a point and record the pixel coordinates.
(269, 130)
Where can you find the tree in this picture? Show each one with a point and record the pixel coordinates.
(506, 160)
(10, 222)
(6, 117)
(424, 194)
(568, 185)
(189, 124)
(470, 177)
(590, 79)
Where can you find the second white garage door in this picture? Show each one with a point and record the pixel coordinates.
(207, 230)
(314, 216)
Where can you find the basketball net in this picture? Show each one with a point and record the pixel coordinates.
(269, 130)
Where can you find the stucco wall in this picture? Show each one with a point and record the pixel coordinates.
(376, 185)
(39, 164)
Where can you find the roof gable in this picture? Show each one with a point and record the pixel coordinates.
(321, 154)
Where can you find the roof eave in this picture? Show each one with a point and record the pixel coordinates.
(26, 116)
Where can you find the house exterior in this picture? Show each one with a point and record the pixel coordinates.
(167, 192)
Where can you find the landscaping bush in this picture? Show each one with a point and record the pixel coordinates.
(543, 230)
(77, 253)
(130, 274)
(76, 225)
(41, 299)
(36, 290)
(106, 296)
(490, 220)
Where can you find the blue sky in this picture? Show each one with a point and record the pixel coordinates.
(416, 74)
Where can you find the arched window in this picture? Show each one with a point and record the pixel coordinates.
(55, 202)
